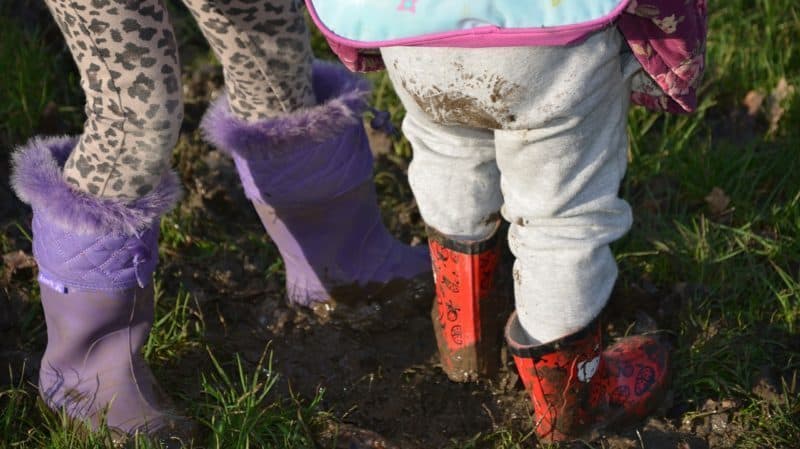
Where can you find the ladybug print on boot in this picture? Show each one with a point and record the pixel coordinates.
(636, 377)
(619, 396)
(464, 277)
(645, 379)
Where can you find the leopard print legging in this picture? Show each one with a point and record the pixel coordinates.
(127, 56)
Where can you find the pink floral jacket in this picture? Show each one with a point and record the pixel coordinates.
(668, 38)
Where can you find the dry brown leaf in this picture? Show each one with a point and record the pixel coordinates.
(774, 110)
(718, 201)
(757, 103)
(18, 260)
(753, 102)
(379, 141)
(782, 91)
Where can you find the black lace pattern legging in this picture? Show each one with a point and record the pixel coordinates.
(128, 60)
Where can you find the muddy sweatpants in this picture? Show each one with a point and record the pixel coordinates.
(538, 133)
(127, 56)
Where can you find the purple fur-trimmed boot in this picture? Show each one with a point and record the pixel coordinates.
(96, 259)
(309, 175)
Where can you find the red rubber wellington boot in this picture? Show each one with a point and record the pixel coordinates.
(576, 387)
(465, 315)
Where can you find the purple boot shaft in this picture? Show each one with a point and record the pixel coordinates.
(96, 260)
(309, 175)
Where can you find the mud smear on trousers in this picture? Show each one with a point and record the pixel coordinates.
(456, 109)
(452, 107)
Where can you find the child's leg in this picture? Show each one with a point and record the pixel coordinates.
(296, 136)
(453, 175)
(561, 174)
(265, 53)
(96, 219)
(456, 183)
(128, 60)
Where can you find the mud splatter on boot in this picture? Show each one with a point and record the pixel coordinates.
(465, 312)
(558, 378)
(576, 387)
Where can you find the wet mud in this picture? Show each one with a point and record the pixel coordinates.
(450, 105)
(375, 361)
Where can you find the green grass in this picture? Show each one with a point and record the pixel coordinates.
(238, 410)
(241, 411)
(26, 91)
(178, 328)
(745, 321)
(738, 325)
(30, 70)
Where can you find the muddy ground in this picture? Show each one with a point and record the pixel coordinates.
(381, 377)
(384, 382)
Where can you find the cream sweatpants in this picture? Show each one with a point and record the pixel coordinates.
(538, 133)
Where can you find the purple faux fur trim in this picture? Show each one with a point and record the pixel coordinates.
(342, 98)
(37, 179)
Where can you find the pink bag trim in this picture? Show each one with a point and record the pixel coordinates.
(364, 56)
